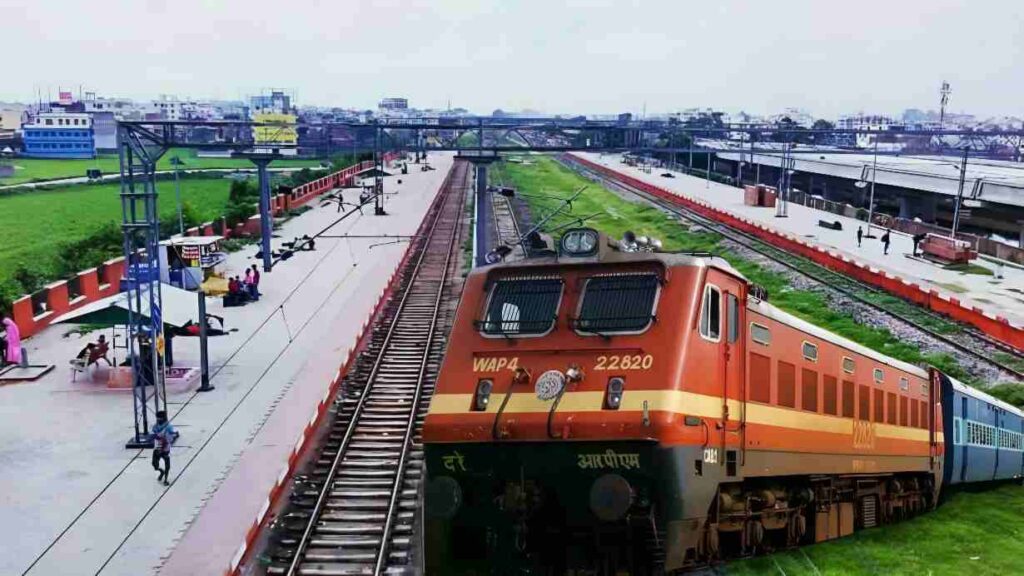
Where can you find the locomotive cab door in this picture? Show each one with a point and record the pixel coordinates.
(724, 308)
(734, 354)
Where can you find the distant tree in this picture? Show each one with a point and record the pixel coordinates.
(821, 124)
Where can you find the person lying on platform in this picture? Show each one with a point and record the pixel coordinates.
(191, 328)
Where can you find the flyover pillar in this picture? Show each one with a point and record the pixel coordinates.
(923, 207)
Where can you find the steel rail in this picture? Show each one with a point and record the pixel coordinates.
(354, 419)
(396, 490)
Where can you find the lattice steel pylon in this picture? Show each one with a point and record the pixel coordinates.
(140, 225)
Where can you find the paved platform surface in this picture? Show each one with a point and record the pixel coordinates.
(74, 501)
(1001, 297)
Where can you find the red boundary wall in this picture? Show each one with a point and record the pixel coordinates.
(303, 442)
(94, 285)
(997, 327)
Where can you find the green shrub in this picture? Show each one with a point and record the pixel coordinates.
(1009, 392)
(102, 244)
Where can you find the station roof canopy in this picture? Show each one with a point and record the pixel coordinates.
(179, 306)
(191, 241)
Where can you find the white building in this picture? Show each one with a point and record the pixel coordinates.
(871, 123)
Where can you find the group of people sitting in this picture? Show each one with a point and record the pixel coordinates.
(241, 291)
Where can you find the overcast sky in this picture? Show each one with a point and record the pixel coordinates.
(828, 57)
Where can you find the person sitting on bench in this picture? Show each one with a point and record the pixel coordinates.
(91, 354)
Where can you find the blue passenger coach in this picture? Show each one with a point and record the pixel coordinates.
(984, 436)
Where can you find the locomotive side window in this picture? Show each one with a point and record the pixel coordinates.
(617, 303)
(879, 375)
(522, 306)
(760, 334)
(904, 384)
(711, 314)
(848, 365)
(810, 351)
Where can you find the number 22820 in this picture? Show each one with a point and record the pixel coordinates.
(625, 362)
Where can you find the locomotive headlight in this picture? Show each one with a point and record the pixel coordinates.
(549, 385)
(579, 242)
(483, 394)
(613, 393)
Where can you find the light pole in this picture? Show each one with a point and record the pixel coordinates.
(176, 162)
(871, 198)
(960, 193)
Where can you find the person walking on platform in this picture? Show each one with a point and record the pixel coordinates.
(885, 242)
(255, 283)
(860, 235)
(163, 437)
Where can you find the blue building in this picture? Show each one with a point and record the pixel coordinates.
(59, 135)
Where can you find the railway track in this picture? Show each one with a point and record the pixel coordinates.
(965, 339)
(506, 226)
(355, 512)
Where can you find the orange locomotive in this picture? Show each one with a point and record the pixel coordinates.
(612, 408)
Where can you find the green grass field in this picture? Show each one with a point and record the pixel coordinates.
(34, 224)
(988, 526)
(36, 169)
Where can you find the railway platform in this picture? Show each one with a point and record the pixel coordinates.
(998, 295)
(76, 502)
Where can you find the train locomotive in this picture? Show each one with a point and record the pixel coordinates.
(611, 408)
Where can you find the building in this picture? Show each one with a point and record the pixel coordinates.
(276, 103)
(104, 129)
(870, 123)
(393, 104)
(283, 135)
(59, 135)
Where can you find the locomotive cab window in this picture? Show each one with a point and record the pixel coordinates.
(622, 303)
(711, 314)
(522, 307)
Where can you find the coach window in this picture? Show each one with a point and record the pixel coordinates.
(879, 375)
(522, 307)
(617, 303)
(848, 365)
(711, 314)
(810, 351)
(760, 334)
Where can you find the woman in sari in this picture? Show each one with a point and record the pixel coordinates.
(13, 353)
